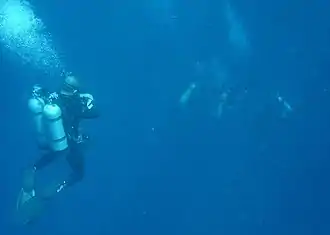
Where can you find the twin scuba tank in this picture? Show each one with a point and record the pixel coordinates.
(47, 117)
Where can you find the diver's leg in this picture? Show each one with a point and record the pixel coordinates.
(76, 161)
(46, 158)
(29, 203)
(28, 192)
(28, 174)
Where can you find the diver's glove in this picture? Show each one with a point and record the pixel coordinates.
(87, 100)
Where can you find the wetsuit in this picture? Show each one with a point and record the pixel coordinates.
(74, 110)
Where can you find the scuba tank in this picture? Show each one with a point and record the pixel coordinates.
(48, 119)
(36, 106)
(52, 115)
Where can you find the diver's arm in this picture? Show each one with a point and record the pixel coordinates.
(89, 109)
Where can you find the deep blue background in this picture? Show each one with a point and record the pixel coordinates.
(248, 173)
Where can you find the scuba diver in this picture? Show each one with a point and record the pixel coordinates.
(57, 117)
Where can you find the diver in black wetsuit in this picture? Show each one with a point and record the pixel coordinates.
(75, 107)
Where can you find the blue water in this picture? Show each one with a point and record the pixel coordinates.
(157, 167)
